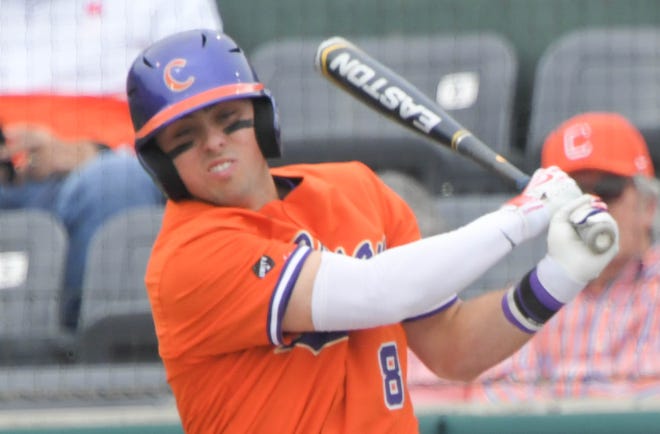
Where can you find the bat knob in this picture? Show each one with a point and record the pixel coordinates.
(598, 236)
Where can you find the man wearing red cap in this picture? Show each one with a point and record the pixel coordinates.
(608, 156)
(606, 342)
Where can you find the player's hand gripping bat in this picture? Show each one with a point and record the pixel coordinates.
(350, 68)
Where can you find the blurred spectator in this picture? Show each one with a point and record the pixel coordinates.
(606, 342)
(64, 115)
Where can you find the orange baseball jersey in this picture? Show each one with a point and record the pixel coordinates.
(219, 280)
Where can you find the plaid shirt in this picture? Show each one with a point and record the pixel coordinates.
(602, 344)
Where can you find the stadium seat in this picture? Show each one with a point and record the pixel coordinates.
(33, 246)
(471, 76)
(115, 318)
(457, 211)
(82, 385)
(613, 69)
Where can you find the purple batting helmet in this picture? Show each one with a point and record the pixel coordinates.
(183, 73)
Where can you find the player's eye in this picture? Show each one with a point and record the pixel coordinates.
(237, 125)
(180, 149)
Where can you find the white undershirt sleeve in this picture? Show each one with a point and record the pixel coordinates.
(409, 280)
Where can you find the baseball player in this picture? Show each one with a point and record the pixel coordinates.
(284, 298)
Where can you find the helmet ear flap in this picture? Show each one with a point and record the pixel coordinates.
(266, 127)
(163, 172)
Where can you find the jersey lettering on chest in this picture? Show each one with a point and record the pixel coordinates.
(365, 249)
(317, 341)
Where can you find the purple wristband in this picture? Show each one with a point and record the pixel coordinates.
(529, 305)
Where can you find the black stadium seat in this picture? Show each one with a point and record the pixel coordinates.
(472, 76)
(75, 386)
(116, 324)
(33, 246)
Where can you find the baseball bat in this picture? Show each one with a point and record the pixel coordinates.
(371, 82)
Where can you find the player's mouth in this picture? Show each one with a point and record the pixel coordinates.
(221, 167)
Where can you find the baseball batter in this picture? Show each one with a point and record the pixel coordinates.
(285, 298)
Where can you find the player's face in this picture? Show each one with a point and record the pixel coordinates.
(216, 153)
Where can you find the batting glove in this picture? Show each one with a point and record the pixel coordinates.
(548, 189)
(568, 248)
(565, 270)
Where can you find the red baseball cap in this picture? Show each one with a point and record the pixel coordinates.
(598, 141)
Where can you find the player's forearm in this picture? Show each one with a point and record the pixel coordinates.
(466, 340)
(345, 293)
(471, 337)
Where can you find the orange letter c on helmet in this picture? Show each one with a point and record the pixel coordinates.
(172, 83)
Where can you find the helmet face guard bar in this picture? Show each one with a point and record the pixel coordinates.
(183, 73)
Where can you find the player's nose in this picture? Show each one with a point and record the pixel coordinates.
(215, 139)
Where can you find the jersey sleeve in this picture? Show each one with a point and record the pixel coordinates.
(223, 292)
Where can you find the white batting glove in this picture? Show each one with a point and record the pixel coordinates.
(565, 270)
(548, 189)
(553, 187)
(567, 252)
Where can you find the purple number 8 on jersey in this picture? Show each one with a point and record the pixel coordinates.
(390, 369)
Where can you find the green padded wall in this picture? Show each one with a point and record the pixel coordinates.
(578, 423)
